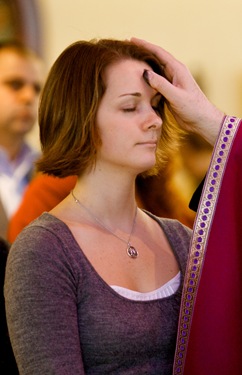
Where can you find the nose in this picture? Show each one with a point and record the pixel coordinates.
(153, 120)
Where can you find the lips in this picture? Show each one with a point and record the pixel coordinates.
(148, 143)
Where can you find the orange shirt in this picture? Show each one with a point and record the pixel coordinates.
(43, 193)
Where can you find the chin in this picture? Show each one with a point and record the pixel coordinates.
(147, 168)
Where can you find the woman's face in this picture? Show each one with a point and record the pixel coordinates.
(127, 119)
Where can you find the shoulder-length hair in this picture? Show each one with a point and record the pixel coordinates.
(70, 100)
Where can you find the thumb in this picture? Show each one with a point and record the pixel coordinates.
(161, 84)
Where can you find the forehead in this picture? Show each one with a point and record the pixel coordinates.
(13, 64)
(125, 74)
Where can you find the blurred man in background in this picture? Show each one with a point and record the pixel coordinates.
(21, 77)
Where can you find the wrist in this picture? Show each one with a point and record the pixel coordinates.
(212, 124)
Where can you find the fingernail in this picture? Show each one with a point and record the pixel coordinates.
(146, 76)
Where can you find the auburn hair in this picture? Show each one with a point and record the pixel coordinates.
(70, 100)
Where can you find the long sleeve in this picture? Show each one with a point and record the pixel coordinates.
(41, 305)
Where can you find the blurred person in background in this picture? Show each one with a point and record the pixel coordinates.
(21, 77)
(42, 194)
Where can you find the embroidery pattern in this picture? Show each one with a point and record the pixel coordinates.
(200, 235)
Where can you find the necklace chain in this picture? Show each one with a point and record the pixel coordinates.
(131, 251)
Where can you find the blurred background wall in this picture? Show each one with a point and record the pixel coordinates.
(206, 35)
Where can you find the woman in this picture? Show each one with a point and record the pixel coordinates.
(209, 333)
(94, 286)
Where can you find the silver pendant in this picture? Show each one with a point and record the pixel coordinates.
(132, 252)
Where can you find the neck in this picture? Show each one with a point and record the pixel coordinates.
(12, 145)
(113, 186)
(112, 200)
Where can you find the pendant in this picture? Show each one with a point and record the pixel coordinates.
(132, 252)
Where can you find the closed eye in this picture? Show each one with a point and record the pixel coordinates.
(129, 109)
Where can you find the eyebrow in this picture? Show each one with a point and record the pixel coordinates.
(138, 94)
(131, 94)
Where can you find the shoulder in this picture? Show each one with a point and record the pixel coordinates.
(45, 252)
(41, 228)
(172, 227)
(179, 237)
(45, 240)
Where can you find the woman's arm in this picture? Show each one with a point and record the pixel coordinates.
(41, 305)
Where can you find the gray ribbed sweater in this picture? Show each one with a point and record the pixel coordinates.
(65, 320)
